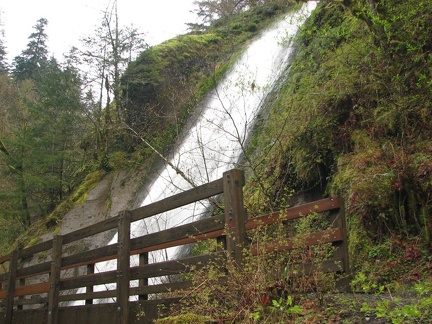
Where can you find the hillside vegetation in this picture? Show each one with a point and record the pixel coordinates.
(352, 118)
(57, 143)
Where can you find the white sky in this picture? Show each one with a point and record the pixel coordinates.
(69, 20)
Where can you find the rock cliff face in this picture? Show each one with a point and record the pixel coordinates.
(116, 192)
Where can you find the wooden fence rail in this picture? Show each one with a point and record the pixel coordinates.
(41, 292)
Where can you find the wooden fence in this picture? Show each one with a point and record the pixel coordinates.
(41, 292)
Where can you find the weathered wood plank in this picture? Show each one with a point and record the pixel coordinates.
(133, 291)
(101, 254)
(38, 288)
(32, 250)
(178, 235)
(330, 235)
(195, 194)
(86, 280)
(89, 314)
(33, 270)
(89, 295)
(294, 212)
(32, 301)
(173, 267)
(31, 316)
(97, 228)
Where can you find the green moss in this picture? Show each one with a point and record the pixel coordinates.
(351, 121)
(185, 319)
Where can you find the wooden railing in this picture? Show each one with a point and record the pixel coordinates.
(39, 292)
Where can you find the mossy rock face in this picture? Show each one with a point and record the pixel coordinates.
(166, 80)
(185, 319)
(352, 121)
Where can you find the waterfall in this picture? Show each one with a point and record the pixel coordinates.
(215, 142)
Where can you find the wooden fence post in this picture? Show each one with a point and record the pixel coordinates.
(9, 303)
(235, 214)
(21, 284)
(123, 267)
(89, 289)
(53, 294)
(143, 260)
(341, 250)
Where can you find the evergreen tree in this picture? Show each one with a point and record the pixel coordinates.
(14, 146)
(35, 57)
(4, 68)
(38, 146)
(55, 133)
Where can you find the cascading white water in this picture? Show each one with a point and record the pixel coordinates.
(214, 144)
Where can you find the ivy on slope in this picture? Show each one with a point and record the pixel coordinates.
(354, 118)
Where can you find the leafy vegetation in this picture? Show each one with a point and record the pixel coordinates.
(52, 134)
(353, 118)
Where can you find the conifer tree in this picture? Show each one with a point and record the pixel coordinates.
(39, 146)
(3, 59)
(29, 64)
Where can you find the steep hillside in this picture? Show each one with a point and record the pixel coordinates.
(354, 119)
(160, 90)
(351, 117)
(164, 84)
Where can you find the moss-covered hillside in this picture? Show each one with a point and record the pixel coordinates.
(163, 85)
(354, 119)
(351, 119)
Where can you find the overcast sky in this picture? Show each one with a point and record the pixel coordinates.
(68, 20)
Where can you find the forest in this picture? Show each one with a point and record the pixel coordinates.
(359, 90)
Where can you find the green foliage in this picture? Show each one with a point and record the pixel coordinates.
(268, 285)
(354, 121)
(30, 64)
(184, 319)
(78, 197)
(416, 310)
(365, 284)
(38, 141)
